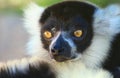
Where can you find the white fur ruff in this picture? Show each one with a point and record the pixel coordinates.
(31, 20)
(106, 26)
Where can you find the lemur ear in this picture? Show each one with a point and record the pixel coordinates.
(32, 15)
(107, 20)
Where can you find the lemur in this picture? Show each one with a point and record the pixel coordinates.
(71, 39)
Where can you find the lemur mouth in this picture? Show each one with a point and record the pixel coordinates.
(63, 58)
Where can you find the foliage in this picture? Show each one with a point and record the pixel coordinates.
(17, 5)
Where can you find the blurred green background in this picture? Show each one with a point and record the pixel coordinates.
(17, 5)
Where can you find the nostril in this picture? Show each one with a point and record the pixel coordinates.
(54, 52)
(57, 51)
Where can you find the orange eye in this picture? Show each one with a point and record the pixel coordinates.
(78, 33)
(47, 34)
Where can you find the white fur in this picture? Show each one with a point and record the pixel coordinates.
(78, 70)
(106, 26)
(31, 20)
(21, 65)
(62, 70)
(107, 20)
(97, 52)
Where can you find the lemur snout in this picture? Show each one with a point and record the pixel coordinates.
(61, 52)
(56, 51)
(58, 54)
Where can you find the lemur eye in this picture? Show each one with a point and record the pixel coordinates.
(78, 33)
(47, 34)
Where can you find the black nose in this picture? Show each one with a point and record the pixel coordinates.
(61, 51)
(60, 55)
(56, 51)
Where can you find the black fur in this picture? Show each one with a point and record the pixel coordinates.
(112, 63)
(42, 71)
(68, 9)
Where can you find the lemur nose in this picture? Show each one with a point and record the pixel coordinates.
(56, 51)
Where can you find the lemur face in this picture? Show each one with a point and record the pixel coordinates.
(67, 29)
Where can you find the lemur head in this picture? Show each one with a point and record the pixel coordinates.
(72, 30)
(67, 29)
